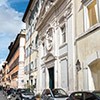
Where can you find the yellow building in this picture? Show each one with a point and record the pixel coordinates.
(87, 41)
(15, 61)
(31, 47)
(5, 76)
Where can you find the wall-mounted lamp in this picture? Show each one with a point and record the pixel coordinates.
(78, 65)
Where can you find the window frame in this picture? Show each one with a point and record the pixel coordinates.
(85, 10)
(63, 33)
(63, 23)
(36, 41)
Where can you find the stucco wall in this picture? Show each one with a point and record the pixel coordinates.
(88, 45)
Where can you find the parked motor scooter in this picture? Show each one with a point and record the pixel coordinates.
(9, 94)
(9, 97)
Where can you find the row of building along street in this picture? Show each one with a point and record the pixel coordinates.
(60, 47)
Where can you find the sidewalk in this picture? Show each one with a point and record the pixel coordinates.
(2, 96)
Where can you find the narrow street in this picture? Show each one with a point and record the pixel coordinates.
(2, 97)
(48, 45)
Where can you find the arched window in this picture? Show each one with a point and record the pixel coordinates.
(62, 24)
(49, 39)
(63, 30)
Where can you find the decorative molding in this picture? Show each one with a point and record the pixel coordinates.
(93, 57)
(64, 44)
(63, 55)
(89, 31)
(69, 11)
(49, 58)
(49, 39)
(85, 2)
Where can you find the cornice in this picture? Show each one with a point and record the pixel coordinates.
(42, 19)
(89, 31)
(29, 8)
(14, 46)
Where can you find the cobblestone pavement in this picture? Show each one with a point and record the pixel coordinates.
(2, 96)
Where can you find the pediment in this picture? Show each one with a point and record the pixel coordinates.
(49, 58)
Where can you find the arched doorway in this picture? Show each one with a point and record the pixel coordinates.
(95, 73)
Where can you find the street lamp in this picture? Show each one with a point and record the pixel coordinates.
(78, 68)
(78, 65)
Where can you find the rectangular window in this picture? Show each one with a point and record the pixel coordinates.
(92, 13)
(35, 63)
(36, 41)
(91, 16)
(32, 65)
(63, 29)
(31, 47)
(64, 37)
(28, 51)
(25, 69)
(27, 37)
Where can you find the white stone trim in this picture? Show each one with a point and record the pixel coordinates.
(92, 58)
(89, 85)
(91, 29)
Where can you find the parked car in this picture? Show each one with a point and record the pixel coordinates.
(9, 93)
(13, 92)
(83, 95)
(54, 94)
(4, 90)
(1, 87)
(96, 93)
(24, 94)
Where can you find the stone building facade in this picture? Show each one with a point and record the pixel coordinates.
(15, 61)
(55, 27)
(31, 47)
(65, 34)
(87, 43)
(5, 77)
(53, 23)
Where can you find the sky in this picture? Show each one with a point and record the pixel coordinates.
(11, 14)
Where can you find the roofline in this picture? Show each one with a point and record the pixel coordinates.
(14, 46)
(27, 9)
